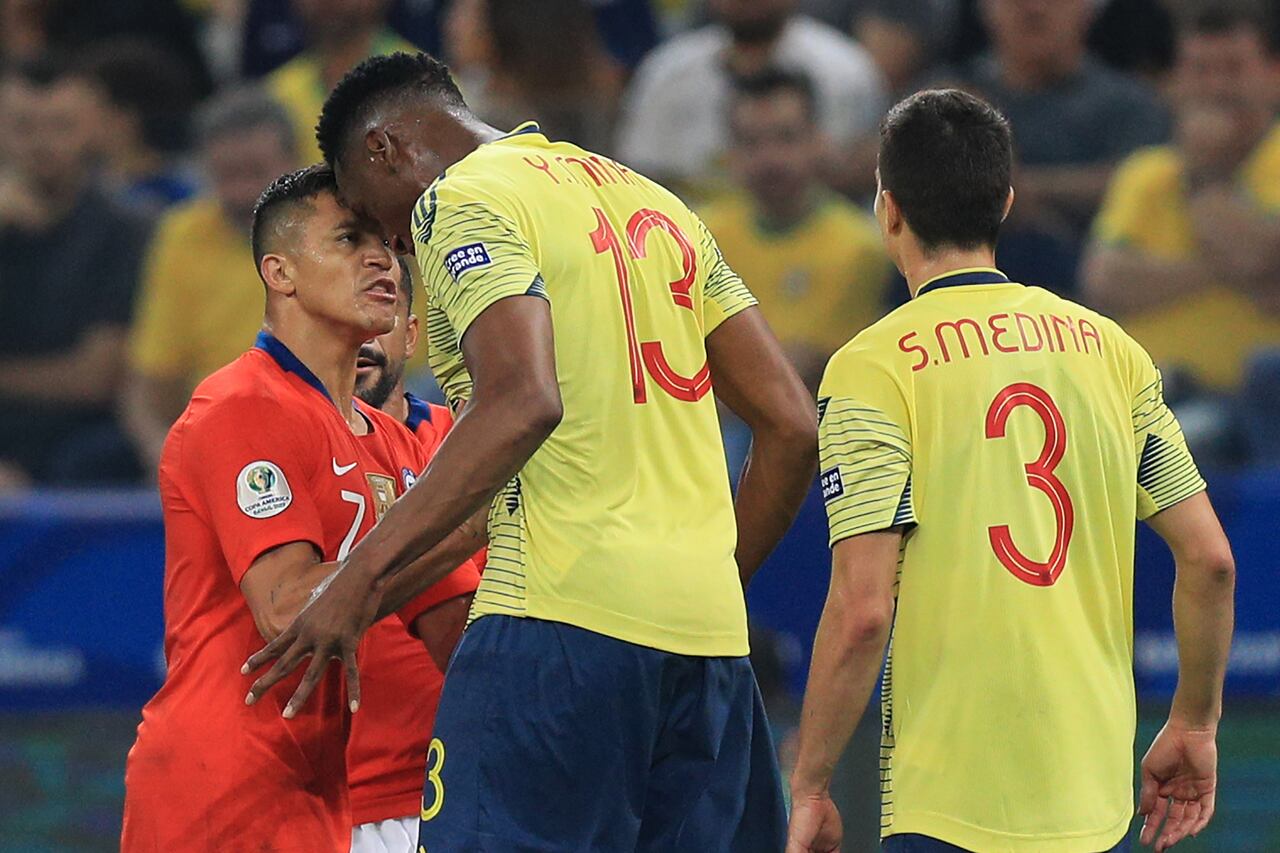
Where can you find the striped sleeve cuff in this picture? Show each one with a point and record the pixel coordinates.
(866, 469)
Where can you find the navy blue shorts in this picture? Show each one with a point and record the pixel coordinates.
(553, 738)
(911, 843)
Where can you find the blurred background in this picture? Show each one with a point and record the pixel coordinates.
(135, 136)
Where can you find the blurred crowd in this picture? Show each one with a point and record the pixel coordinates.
(136, 135)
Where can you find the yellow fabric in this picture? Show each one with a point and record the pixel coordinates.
(1008, 706)
(622, 522)
(299, 86)
(1146, 208)
(820, 281)
(201, 301)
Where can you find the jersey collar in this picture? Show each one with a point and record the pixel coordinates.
(289, 362)
(419, 412)
(958, 278)
(523, 128)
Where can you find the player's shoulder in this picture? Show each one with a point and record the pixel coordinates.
(1115, 340)
(874, 350)
(251, 388)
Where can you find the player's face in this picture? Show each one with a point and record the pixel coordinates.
(776, 147)
(382, 196)
(343, 272)
(380, 365)
(241, 164)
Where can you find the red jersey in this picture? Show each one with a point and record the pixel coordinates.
(260, 458)
(399, 682)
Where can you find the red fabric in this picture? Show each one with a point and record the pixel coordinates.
(207, 772)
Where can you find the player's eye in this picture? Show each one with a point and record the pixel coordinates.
(348, 237)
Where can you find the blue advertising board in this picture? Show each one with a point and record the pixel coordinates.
(81, 616)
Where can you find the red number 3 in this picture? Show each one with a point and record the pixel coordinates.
(648, 356)
(1039, 476)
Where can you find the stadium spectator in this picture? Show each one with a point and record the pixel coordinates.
(509, 76)
(339, 33)
(201, 300)
(1186, 249)
(812, 258)
(69, 262)
(673, 123)
(146, 100)
(1073, 120)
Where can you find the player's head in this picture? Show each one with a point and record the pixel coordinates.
(776, 144)
(380, 365)
(943, 175)
(753, 21)
(323, 265)
(51, 114)
(386, 130)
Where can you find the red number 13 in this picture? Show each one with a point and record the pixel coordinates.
(648, 356)
(1039, 476)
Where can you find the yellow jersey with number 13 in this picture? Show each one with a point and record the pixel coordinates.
(621, 522)
(1016, 436)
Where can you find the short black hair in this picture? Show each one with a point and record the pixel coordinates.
(1219, 19)
(947, 156)
(284, 194)
(406, 282)
(771, 81)
(373, 80)
(149, 82)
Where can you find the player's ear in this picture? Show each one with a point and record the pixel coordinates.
(277, 272)
(411, 337)
(893, 219)
(378, 144)
(1008, 205)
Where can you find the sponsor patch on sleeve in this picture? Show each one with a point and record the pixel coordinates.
(466, 258)
(409, 478)
(832, 485)
(262, 490)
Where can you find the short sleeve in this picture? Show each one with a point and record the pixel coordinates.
(864, 453)
(463, 580)
(1167, 473)
(471, 252)
(724, 294)
(253, 484)
(444, 355)
(157, 338)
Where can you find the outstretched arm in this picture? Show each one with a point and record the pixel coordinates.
(753, 377)
(515, 405)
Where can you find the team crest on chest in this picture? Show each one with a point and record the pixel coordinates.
(383, 489)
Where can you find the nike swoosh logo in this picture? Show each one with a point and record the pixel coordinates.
(339, 470)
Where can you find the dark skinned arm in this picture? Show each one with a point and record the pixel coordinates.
(754, 379)
(515, 404)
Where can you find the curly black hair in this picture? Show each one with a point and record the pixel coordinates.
(280, 196)
(372, 80)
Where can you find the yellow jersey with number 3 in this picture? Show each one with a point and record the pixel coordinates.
(622, 521)
(1015, 436)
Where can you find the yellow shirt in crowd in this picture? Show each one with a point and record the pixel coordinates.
(818, 282)
(201, 302)
(299, 86)
(1146, 208)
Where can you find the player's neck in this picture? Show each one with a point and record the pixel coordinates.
(920, 268)
(397, 406)
(333, 361)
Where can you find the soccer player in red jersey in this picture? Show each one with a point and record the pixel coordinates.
(272, 473)
(389, 744)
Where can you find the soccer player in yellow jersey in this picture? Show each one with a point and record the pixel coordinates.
(984, 451)
(601, 698)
